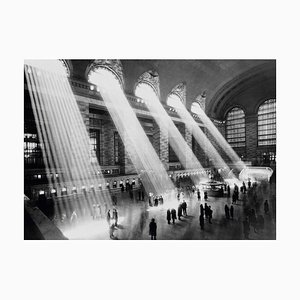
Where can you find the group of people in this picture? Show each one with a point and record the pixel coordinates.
(229, 211)
(205, 211)
(154, 201)
(181, 211)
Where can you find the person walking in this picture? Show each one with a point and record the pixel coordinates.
(108, 217)
(206, 210)
(152, 229)
(226, 211)
(198, 195)
(169, 216)
(201, 209)
(179, 212)
(173, 214)
(205, 196)
(231, 211)
(201, 220)
(184, 206)
(115, 216)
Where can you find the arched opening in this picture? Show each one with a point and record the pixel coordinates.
(174, 101)
(235, 128)
(266, 125)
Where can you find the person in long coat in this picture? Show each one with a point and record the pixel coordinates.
(108, 217)
(168, 216)
(115, 216)
(201, 209)
(152, 229)
(184, 206)
(179, 211)
(201, 220)
(173, 214)
(226, 211)
(231, 211)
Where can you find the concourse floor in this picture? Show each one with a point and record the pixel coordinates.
(134, 218)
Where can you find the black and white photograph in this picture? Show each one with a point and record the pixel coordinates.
(150, 149)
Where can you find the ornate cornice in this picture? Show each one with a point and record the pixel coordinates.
(151, 78)
(180, 91)
(201, 99)
(113, 65)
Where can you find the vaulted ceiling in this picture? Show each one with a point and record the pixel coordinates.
(227, 83)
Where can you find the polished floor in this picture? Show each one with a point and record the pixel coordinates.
(134, 218)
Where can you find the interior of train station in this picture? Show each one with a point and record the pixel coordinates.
(149, 149)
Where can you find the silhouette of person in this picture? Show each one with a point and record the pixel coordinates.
(206, 210)
(201, 220)
(184, 206)
(210, 212)
(231, 211)
(173, 213)
(226, 211)
(168, 216)
(179, 211)
(108, 217)
(201, 209)
(152, 229)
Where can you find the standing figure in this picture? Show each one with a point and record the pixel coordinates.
(226, 211)
(173, 213)
(201, 220)
(206, 210)
(184, 206)
(249, 184)
(228, 191)
(115, 216)
(205, 196)
(108, 217)
(168, 216)
(210, 212)
(201, 209)
(179, 211)
(198, 195)
(152, 229)
(231, 211)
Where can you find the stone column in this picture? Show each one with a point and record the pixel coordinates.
(251, 137)
(161, 143)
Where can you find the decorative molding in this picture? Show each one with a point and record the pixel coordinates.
(151, 78)
(201, 99)
(113, 65)
(66, 66)
(180, 91)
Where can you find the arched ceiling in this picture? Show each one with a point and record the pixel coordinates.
(244, 82)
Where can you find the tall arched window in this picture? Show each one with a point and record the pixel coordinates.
(267, 123)
(195, 108)
(235, 128)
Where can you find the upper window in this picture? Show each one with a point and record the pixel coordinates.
(235, 128)
(267, 123)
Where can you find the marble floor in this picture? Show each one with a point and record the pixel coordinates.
(134, 218)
